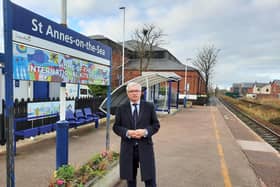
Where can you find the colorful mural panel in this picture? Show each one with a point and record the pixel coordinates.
(41, 65)
(98, 75)
(38, 109)
(42, 108)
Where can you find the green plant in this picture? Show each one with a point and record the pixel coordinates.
(65, 172)
(98, 90)
(96, 159)
(97, 166)
(85, 169)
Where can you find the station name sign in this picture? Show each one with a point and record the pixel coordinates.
(27, 24)
(50, 31)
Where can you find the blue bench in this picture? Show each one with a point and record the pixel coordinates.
(33, 131)
(91, 117)
(74, 121)
(80, 118)
(46, 128)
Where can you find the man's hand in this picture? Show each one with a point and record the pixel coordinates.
(137, 134)
(131, 133)
(140, 133)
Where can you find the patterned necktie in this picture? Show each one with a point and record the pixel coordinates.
(135, 115)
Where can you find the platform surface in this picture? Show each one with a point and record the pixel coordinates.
(202, 146)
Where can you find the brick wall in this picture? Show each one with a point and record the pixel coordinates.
(130, 74)
(117, 68)
(196, 83)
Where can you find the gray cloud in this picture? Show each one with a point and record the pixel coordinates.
(247, 32)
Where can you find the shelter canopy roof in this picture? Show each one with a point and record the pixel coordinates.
(148, 79)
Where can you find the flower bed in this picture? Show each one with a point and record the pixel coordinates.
(86, 175)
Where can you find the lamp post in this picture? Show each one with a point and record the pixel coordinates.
(123, 8)
(186, 87)
(64, 13)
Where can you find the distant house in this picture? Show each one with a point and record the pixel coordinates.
(275, 88)
(257, 90)
(235, 88)
(250, 90)
(242, 88)
(261, 88)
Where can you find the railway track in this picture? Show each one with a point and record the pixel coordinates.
(266, 133)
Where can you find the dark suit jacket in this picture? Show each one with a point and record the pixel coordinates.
(123, 122)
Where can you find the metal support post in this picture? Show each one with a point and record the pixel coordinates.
(61, 143)
(62, 132)
(144, 95)
(178, 91)
(108, 109)
(169, 95)
(154, 93)
(9, 93)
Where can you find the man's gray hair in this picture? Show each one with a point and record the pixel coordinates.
(132, 84)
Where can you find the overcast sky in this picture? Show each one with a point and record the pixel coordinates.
(246, 31)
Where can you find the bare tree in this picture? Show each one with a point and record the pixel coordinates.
(146, 38)
(141, 42)
(154, 39)
(205, 62)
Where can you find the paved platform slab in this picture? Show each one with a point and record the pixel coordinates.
(255, 146)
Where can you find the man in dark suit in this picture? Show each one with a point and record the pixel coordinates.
(136, 122)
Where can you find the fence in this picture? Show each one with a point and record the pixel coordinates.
(20, 110)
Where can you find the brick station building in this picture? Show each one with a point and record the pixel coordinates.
(161, 61)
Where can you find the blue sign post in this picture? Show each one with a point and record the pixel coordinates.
(1, 57)
(2, 127)
(62, 143)
(9, 95)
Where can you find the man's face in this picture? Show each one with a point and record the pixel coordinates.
(134, 93)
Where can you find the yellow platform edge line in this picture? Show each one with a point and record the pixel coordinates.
(224, 169)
